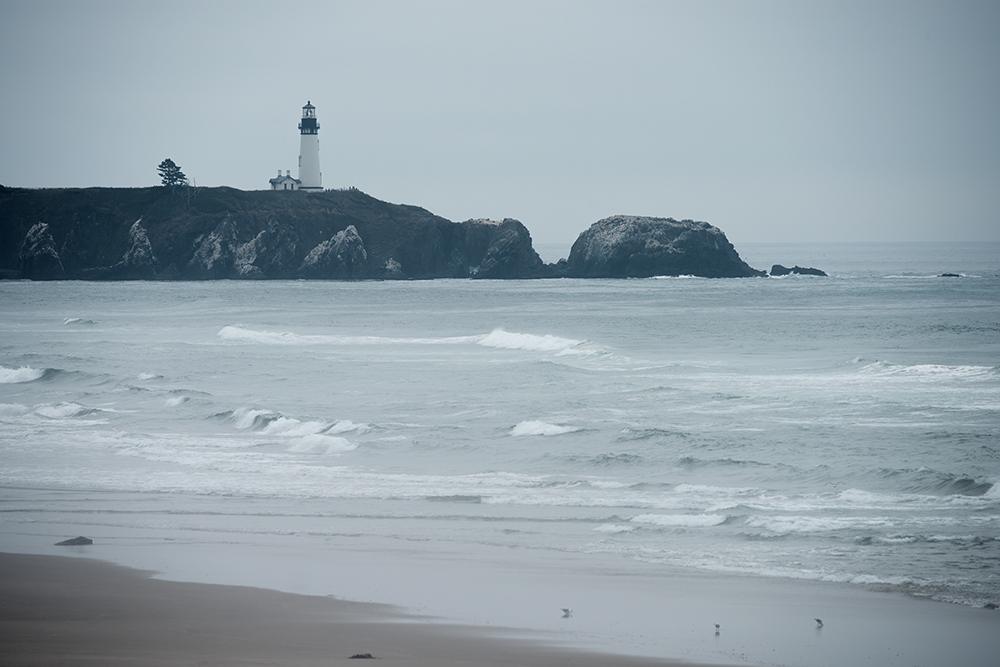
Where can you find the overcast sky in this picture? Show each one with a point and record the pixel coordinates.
(775, 121)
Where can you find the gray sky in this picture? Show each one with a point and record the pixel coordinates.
(775, 121)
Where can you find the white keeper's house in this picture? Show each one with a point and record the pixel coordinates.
(285, 182)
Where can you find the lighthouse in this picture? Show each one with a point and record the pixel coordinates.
(309, 173)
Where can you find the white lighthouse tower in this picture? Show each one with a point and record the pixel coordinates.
(309, 173)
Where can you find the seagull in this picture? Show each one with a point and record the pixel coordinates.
(567, 612)
(819, 623)
(835, 484)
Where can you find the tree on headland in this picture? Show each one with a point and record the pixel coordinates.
(171, 174)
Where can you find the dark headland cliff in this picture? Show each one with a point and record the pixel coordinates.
(184, 233)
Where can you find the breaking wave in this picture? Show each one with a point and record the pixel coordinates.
(930, 372)
(680, 520)
(540, 428)
(246, 335)
(22, 374)
(533, 343)
(310, 436)
(50, 410)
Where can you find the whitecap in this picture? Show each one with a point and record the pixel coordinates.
(785, 525)
(13, 410)
(243, 334)
(61, 410)
(22, 374)
(540, 428)
(613, 528)
(322, 444)
(247, 418)
(346, 425)
(507, 340)
(238, 333)
(680, 520)
(285, 426)
(931, 372)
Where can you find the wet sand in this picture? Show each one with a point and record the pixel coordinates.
(72, 611)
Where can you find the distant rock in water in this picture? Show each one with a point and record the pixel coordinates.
(641, 247)
(950, 275)
(75, 542)
(779, 270)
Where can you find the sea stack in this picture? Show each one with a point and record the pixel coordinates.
(626, 246)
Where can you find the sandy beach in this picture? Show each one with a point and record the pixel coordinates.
(73, 611)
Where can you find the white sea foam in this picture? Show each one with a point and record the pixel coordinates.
(13, 410)
(247, 335)
(540, 428)
(717, 493)
(238, 333)
(321, 444)
(286, 427)
(77, 321)
(176, 400)
(247, 418)
(61, 410)
(784, 525)
(680, 520)
(346, 426)
(519, 341)
(685, 276)
(22, 374)
(613, 528)
(928, 372)
(311, 436)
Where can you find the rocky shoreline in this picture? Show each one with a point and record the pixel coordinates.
(186, 233)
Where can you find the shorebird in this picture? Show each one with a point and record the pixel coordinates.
(819, 623)
(716, 628)
(567, 612)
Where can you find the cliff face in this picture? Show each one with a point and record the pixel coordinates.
(640, 247)
(216, 233)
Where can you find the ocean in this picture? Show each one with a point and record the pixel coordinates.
(843, 429)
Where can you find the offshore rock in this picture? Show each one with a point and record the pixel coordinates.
(509, 254)
(625, 246)
(138, 263)
(779, 270)
(75, 542)
(343, 257)
(38, 258)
